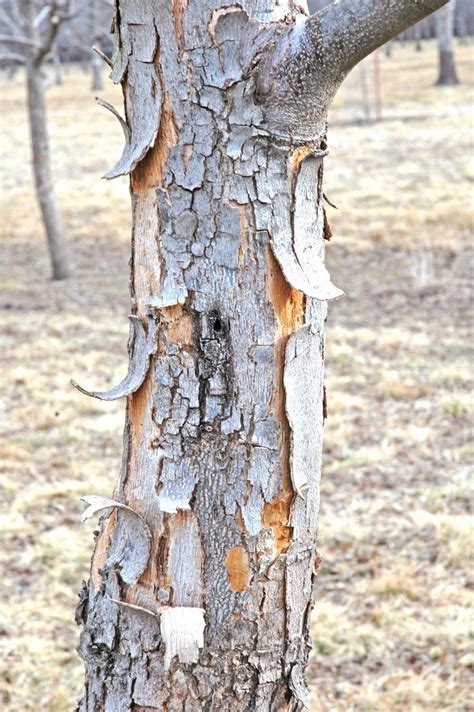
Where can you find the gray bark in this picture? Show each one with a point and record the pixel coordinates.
(59, 251)
(445, 28)
(202, 600)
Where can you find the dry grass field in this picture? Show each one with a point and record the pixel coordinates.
(392, 626)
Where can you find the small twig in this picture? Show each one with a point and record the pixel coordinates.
(102, 55)
(17, 39)
(114, 111)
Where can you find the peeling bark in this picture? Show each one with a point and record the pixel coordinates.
(223, 432)
(143, 345)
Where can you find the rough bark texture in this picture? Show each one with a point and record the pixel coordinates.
(55, 231)
(222, 443)
(445, 30)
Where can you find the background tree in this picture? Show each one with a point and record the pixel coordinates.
(445, 29)
(31, 34)
(96, 64)
(35, 27)
(203, 575)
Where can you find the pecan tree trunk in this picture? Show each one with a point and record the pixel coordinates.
(203, 575)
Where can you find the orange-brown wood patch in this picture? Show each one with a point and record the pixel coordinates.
(177, 11)
(276, 515)
(288, 303)
(237, 565)
(149, 172)
(299, 155)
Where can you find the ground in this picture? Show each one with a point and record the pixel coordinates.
(391, 622)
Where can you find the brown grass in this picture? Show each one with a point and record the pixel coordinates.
(391, 623)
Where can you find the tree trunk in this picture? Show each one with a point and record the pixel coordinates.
(55, 231)
(58, 76)
(96, 64)
(364, 91)
(203, 576)
(444, 29)
(417, 30)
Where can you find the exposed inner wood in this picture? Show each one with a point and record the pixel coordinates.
(298, 155)
(237, 565)
(149, 172)
(178, 9)
(179, 325)
(276, 515)
(101, 549)
(289, 303)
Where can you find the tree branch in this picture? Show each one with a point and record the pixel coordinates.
(297, 79)
(47, 43)
(345, 32)
(12, 57)
(4, 16)
(16, 39)
(57, 17)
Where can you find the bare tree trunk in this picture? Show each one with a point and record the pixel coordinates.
(58, 77)
(364, 91)
(203, 576)
(444, 28)
(417, 30)
(55, 231)
(53, 223)
(96, 64)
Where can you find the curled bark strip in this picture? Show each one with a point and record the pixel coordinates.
(97, 503)
(143, 83)
(318, 285)
(182, 630)
(132, 542)
(113, 110)
(302, 380)
(299, 255)
(298, 686)
(144, 344)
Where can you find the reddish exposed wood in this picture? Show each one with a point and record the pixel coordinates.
(149, 172)
(237, 565)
